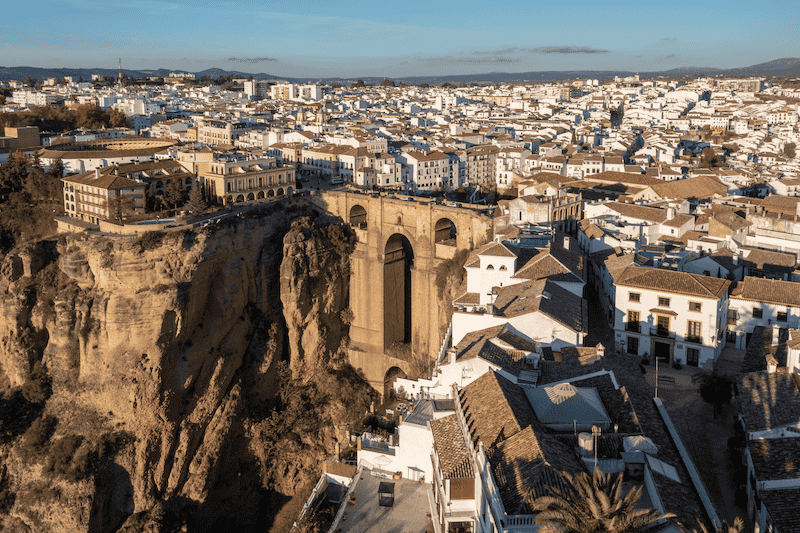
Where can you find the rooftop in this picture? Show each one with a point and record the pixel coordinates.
(408, 514)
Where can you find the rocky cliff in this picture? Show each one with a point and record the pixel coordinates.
(146, 371)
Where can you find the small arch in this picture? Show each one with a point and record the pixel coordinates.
(279, 192)
(445, 232)
(502, 268)
(490, 267)
(228, 200)
(188, 181)
(251, 196)
(289, 191)
(358, 216)
(270, 193)
(260, 195)
(240, 198)
(389, 378)
(159, 184)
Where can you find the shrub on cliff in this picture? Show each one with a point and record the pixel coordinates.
(451, 270)
(150, 240)
(20, 406)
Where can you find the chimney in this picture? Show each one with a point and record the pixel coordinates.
(600, 349)
(452, 353)
(566, 242)
(97, 173)
(735, 259)
(776, 331)
(772, 363)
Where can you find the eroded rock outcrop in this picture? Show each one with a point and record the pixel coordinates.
(169, 340)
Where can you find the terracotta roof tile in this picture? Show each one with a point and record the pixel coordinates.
(448, 440)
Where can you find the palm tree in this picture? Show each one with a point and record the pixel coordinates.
(592, 505)
(737, 527)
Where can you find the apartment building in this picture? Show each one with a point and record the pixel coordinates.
(676, 317)
(235, 179)
(761, 302)
(428, 170)
(216, 132)
(257, 89)
(94, 196)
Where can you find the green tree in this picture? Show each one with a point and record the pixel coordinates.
(717, 390)
(358, 83)
(120, 206)
(197, 203)
(593, 505)
(448, 85)
(175, 194)
(30, 81)
(387, 83)
(710, 159)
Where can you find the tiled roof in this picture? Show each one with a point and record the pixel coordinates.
(768, 400)
(468, 298)
(699, 187)
(454, 458)
(783, 508)
(528, 464)
(775, 458)
(732, 220)
(641, 212)
(495, 409)
(675, 282)
(761, 348)
(769, 291)
(544, 265)
(561, 305)
(770, 261)
(497, 250)
(495, 345)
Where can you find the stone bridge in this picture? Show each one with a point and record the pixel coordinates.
(399, 321)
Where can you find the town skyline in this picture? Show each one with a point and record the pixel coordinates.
(355, 39)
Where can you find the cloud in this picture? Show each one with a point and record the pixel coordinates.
(451, 59)
(669, 39)
(568, 50)
(670, 56)
(250, 59)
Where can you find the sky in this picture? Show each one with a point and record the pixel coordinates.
(359, 38)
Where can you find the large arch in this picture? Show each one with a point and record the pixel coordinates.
(358, 216)
(260, 195)
(444, 232)
(270, 193)
(397, 291)
(389, 378)
(240, 198)
(280, 192)
(251, 196)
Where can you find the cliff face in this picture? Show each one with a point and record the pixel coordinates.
(164, 348)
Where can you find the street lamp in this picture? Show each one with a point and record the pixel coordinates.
(622, 346)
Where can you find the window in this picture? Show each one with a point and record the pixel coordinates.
(633, 296)
(662, 325)
(633, 345)
(695, 306)
(663, 302)
(490, 267)
(633, 321)
(693, 331)
(783, 316)
(758, 312)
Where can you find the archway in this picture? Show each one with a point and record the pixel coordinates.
(397, 263)
(358, 216)
(240, 198)
(251, 196)
(389, 378)
(289, 191)
(260, 195)
(270, 193)
(445, 232)
(280, 192)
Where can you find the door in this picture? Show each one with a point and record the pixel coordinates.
(661, 351)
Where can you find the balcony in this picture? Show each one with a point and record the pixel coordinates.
(633, 326)
(694, 338)
(662, 332)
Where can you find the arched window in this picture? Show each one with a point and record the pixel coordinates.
(490, 267)
(502, 268)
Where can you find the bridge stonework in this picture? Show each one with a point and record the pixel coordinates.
(377, 346)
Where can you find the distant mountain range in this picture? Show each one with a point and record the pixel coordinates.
(786, 67)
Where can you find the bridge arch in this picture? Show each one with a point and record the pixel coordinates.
(445, 232)
(358, 216)
(398, 260)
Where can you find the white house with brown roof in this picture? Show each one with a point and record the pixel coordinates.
(675, 316)
(762, 302)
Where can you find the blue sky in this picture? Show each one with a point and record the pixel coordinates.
(309, 38)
